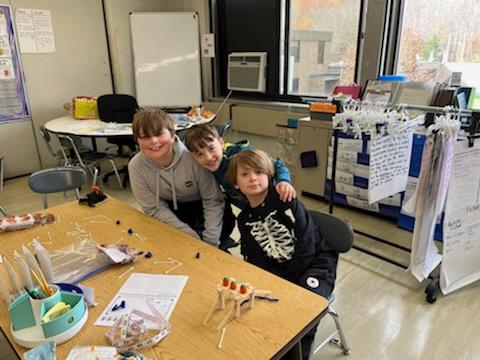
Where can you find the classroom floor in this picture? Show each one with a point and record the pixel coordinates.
(382, 308)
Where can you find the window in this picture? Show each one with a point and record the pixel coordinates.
(327, 31)
(295, 50)
(295, 85)
(439, 39)
(321, 52)
(310, 44)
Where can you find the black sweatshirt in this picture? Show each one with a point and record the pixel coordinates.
(282, 238)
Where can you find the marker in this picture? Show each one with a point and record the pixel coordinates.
(119, 306)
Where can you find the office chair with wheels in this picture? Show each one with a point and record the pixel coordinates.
(118, 108)
(339, 236)
(88, 160)
(57, 179)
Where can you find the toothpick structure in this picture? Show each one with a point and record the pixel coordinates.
(229, 289)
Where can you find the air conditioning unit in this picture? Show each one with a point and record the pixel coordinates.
(247, 71)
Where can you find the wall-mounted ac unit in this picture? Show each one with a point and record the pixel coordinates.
(247, 71)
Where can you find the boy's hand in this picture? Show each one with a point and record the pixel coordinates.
(286, 191)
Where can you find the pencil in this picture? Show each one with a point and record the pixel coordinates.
(39, 282)
(42, 277)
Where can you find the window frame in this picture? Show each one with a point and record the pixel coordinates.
(218, 77)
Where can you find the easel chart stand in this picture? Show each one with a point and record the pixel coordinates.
(433, 287)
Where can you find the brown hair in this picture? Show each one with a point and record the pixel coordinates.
(151, 121)
(255, 159)
(198, 137)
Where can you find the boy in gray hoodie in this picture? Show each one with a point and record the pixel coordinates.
(168, 184)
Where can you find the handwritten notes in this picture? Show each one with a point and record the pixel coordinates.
(35, 31)
(389, 165)
(461, 243)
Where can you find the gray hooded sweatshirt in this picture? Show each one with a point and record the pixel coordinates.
(184, 180)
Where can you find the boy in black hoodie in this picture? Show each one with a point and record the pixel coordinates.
(277, 236)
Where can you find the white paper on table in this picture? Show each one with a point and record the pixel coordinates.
(461, 240)
(389, 164)
(164, 290)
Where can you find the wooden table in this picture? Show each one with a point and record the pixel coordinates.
(267, 331)
(97, 128)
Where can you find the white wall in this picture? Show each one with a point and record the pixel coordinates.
(118, 28)
(79, 66)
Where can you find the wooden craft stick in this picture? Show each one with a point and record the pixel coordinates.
(210, 313)
(229, 314)
(173, 268)
(126, 272)
(220, 343)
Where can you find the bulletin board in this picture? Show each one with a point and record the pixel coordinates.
(13, 97)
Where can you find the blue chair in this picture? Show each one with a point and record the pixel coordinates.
(339, 236)
(58, 179)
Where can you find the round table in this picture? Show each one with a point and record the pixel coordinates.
(97, 128)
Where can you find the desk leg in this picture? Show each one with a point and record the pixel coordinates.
(94, 144)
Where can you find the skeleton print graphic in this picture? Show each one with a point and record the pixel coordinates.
(273, 237)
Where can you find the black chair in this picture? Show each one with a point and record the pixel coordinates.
(57, 180)
(88, 160)
(57, 155)
(339, 236)
(118, 108)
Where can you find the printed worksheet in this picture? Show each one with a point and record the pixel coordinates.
(164, 290)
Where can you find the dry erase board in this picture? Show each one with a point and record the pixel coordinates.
(166, 58)
(13, 98)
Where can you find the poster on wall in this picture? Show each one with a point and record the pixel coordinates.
(13, 97)
(35, 31)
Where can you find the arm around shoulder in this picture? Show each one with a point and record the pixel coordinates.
(213, 205)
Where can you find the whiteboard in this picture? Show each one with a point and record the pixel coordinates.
(166, 58)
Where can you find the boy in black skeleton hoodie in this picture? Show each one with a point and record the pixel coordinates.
(277, 236)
